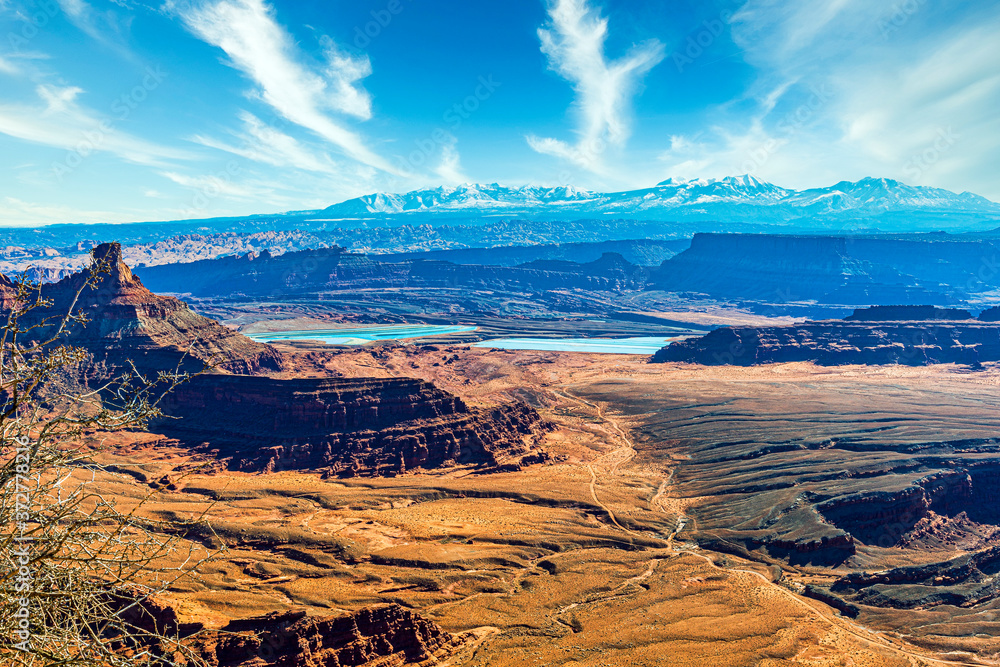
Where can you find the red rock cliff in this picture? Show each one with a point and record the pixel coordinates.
(347, 426)
(127, 321)
(382, 636)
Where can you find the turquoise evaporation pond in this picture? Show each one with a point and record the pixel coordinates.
(360, 335)
(643, 345)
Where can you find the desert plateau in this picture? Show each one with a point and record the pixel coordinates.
(430, 500)
(537, 333)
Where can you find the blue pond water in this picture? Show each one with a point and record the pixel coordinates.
(360, 335)
(644, 345)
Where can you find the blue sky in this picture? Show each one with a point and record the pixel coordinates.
(123, 110)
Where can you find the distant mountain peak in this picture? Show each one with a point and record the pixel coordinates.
(743, 198)
(745, 179)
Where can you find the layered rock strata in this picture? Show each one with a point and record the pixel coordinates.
(128, 323)
(379, 636)
(964, 581)
(842, 342)
(367, 427)
(345, 427)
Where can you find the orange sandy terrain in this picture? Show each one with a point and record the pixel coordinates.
(589, 560)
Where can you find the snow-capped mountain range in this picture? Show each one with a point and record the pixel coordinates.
(735, 198)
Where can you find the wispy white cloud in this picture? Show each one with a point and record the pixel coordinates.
(58, 99)
(16, 212)
(263, 143)
(859, 88)
(62, 122)
(215, 186)
(246, 189)
(20, 63)
(574, 42)
(258, 46)
(449, 169)
(343, 72)
(952, 90)
(7, 67)
(103, 26)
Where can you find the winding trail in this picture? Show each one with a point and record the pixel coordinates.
(607, 510)
(624, 453)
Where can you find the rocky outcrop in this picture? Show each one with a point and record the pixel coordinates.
(828, 598)
(347, 427)
(344, 427)
(964, 581)
(990, 315)
(379, 636)
(829, 550)
(882, 518)
(841, 342)
(8, 293)
(126, 322)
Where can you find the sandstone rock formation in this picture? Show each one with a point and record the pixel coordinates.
(990, 315)
(366, 427)
(839, 342)
(379, 636)
(128, 322)
(964, 581)
(385, 635)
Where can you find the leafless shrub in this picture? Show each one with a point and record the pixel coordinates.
(79, 574)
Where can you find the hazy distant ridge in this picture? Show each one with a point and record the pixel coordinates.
(737, 198)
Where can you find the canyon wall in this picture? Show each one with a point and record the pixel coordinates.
(335, 269)
(907, 314)
(344, 427)
(379, 636)
(647, 252)
(840, 342)
(347, 427)
(845, 270)
(385, 635)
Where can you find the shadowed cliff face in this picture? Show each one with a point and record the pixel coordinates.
(839, 342)
(834, 270)
(374, 636)
(864, 469)
(783, 269)
(358, 427)
(907, 335)
(335, 269)
(128, 322)
(366, 427)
